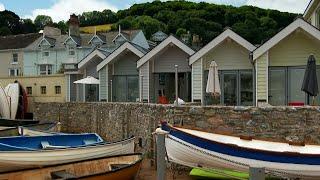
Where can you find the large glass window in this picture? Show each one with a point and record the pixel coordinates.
(236, 88)
(230, 89)
(285, 85)
(125, 88)
(277, 87)
(295, 80)
(246, 89)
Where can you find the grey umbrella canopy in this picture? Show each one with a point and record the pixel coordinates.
(310, 82)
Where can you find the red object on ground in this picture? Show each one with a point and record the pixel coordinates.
(296, 103)
(163, 100)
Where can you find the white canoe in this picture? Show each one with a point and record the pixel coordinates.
(4, 104)
(17, 160)
(12, 91)
(208, 150)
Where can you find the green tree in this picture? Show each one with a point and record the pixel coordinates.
(181, 31)
(4, 31)
(9, 21)
(62, 25)
(28, 26)
(41, 21)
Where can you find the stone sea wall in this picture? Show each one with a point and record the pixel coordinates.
(115, 121)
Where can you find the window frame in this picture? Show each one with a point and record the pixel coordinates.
(47, 71)
(15, 72)
(71, 49)
(57, 89)
(43, 54)
(43, 90)
(287, 83)
(29, 90)
(15, 58)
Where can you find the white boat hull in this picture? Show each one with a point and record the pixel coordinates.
(183, 153)
(15, 160)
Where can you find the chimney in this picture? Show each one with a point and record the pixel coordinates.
(74, 25)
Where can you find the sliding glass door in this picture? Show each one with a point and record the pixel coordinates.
(277, 86)
(125, 88)
(236, 88)
(295, 80)
(230, 88)
(246, 88)
(285, 85)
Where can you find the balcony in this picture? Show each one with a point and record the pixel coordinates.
(70, 68)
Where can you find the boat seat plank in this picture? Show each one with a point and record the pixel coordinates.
(62, 175)
(89, 141)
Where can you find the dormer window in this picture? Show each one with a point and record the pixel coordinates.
(72, 51)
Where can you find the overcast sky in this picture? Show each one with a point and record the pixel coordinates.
(61, 9)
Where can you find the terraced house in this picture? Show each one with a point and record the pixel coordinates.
(77, 55)
(281, 61)
(12, 53)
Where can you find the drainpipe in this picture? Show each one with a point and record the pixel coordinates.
(111, 91)
(176, 84)
(141, 89)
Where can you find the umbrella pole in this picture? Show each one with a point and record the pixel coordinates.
(313, 101)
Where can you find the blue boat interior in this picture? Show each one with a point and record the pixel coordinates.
(21, 143)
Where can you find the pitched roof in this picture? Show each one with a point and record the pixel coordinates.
(136, 49)
(85, 39)
(228, 33)
(171, 39)
(75, 39)
(313, 4)
(298, 23)
(95, 52)
(18, 41)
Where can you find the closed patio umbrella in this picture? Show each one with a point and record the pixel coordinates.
(213, 85)
(310, 82)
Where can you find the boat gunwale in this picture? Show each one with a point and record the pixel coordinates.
(93, 159)
(243, 148)
(100, 144)
(248, 138)
(116, 170)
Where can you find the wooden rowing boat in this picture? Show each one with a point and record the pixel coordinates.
(16, 122)
(45, 151)
(29, 130)
(209, 150)
(122, 167)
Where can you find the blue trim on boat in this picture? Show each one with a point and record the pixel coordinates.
(29, 143)
(233, 150)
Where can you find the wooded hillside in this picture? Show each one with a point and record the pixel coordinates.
(172, 17)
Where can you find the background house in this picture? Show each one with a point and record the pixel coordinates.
(281, 63)
(12, 53)
(157, 71)
(231, 53)
(102, 46)
(49, 88)
(119, 77)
